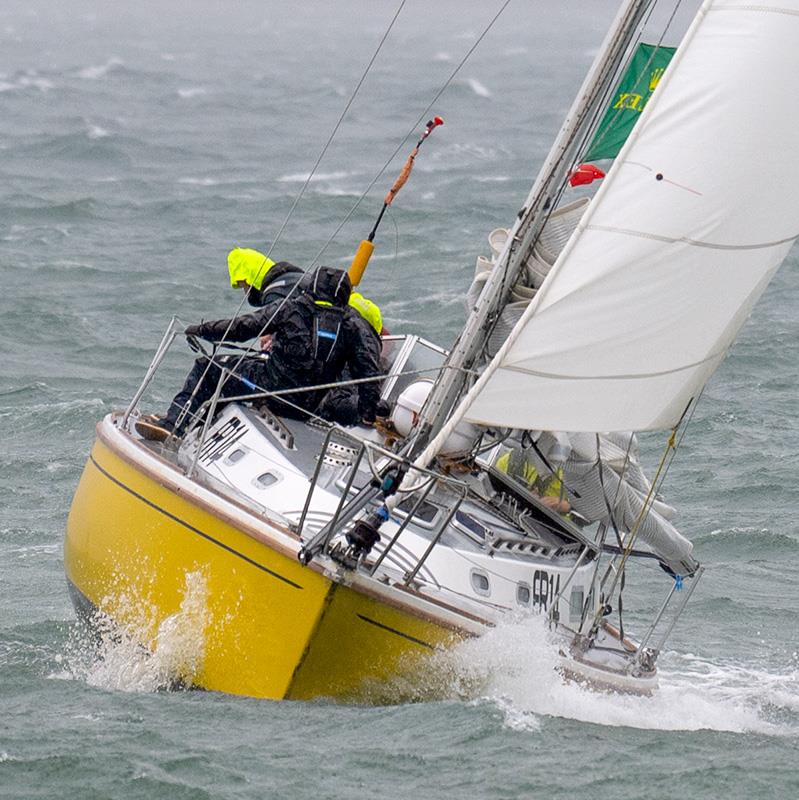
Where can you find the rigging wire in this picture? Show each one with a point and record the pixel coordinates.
(657, 482)
(592, 128)
(656, 486)
(297, 199)
(230, 371)
(396, 233)
(581, 136)
(413, 128)
(336, 127)
(690, 417)
(369, 187)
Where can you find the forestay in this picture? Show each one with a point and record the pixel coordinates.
(696, 214)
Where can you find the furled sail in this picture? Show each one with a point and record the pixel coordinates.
(696, 214)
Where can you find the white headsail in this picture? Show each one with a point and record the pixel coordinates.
(696, 214)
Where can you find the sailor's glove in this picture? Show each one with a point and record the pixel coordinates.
(195, 332)
(198, 331)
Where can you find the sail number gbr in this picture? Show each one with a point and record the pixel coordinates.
(545, 589)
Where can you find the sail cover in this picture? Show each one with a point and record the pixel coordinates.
(696, 214)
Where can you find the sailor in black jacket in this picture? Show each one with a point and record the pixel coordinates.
(265, 281)
(315, 335)
(343, 403)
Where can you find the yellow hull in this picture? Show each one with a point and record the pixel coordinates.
(162, 563)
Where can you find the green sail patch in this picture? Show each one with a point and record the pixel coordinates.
(642, 75)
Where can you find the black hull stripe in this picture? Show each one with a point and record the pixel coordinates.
(398, 633)
(192, 528)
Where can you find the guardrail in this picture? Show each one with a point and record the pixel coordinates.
(384, 466)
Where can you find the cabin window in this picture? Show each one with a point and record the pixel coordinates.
(472, 527)
(480, 583)
(576, 605)
(235, 456)
(426, 513)
(266, 479)
(523, 594)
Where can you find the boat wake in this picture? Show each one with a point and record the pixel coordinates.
(518, 664)
(513, 667)
(109, 658)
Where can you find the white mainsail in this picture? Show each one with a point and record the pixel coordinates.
(696, 214)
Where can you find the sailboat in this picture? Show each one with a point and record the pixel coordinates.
(322, 561)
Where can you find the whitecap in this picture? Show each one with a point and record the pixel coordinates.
(97, 71)
(744, 530)
(199, 181)
(33, 551)
(194, 91)
(42, 84)
(478, 88)
(331, 192)
(97, 132)
(438, 298)
(391, 255)
(301, 177)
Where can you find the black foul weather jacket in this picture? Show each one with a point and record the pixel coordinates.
(316, 335)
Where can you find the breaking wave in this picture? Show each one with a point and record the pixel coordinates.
(516, 665)
(192, 91)
(97, 71)
(301, 177)
(27, 80)
(478, 88)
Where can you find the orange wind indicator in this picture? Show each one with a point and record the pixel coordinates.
(585, 174)
(366, 247)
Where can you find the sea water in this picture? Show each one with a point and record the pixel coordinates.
(138, 144)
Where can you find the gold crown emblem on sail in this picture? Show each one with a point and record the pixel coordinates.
(654, 78)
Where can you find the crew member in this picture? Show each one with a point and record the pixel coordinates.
(315, 335)
(263, 280)
(266, 281)
(343, 404)
(518, 464)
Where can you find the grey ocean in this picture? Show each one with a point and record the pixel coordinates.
(139, 142)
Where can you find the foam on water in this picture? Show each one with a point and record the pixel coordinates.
(192, 91)
(116, 660)
(518, 660)
(301, 177)
(201, 181)
(97, 71)
(97, 132)
(512, 666)
(478, 88)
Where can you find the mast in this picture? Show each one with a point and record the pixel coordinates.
(527, 228)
